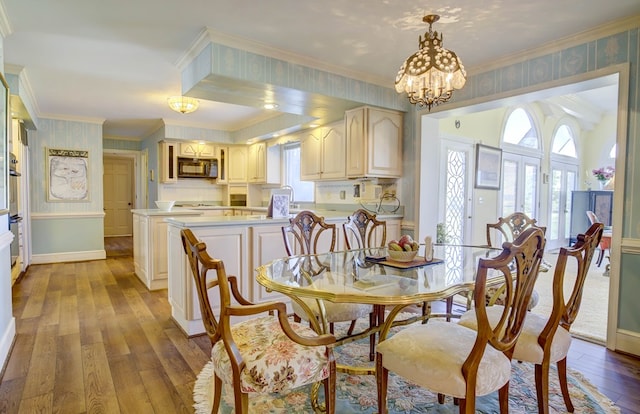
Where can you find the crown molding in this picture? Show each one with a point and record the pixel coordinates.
(71, 118)
(5, 26)
(26, 90)
(208, 36)
(558, 45)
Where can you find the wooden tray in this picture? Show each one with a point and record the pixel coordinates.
(417, 262)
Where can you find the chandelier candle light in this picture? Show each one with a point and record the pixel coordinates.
(430, 75)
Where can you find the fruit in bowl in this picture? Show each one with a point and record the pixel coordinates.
(403, 250)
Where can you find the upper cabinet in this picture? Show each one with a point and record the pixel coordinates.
(197, 150)
(168, 161)
(237, 164)
(322, 153)
(373, 143)
(263, 163)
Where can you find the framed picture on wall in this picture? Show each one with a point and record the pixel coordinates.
(488, 167)
(67, 175)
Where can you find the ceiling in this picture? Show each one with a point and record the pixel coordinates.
(117, 61)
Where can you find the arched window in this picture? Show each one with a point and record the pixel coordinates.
(520, 130)
(522, 151)
(564, 143)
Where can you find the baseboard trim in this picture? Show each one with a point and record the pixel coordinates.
(8, 337)
(68, 257)
(628, 342)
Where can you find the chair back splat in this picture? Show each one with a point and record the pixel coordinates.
(510, 227)
(244, 354)
(363, 230)
(308, 233)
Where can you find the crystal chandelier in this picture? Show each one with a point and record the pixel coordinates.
(430, 75)
(183, 104)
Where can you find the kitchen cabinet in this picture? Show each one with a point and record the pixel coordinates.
(227, 243)
(222, 154)
(598, 201)
(238, 164)
(373, 143)
(263, 165)
(322, 153)
(197, 150)
(168, 162)
(266, 245)
(168, 159)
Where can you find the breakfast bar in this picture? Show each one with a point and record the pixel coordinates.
(243, 243)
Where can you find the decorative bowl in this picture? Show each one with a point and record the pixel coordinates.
(403, 256)
(165, 205)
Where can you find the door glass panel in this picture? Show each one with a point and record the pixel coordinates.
(530, 186)
(509, 186)
(571, 185)
(556, 198)
(455, 196)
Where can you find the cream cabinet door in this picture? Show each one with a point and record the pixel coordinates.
(311, 155)
(373, 142)
(197, 150)
(238, 164)
(267, 245)
(257, 163)
(333, 152)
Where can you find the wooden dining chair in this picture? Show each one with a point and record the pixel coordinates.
(454, 360)
(508, 229)
(605, 242)
(363, 230)
(308, 233)
(248, 355)
(543, 340)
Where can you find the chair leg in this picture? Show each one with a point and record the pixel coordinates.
(542, 387)
(600, 257)
(562, 376)
(351, 327)
(330, 392)
(372, 338)
(217, 392)
(440, 398)
(449, 308)
(382, 375)
(503, 396)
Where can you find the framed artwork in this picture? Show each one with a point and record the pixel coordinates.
(488, 167)
(279, 204)
(67, 175)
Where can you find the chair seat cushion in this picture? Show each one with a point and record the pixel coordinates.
(527, 348)
(432, 355)
(273, 362)
(335, 312)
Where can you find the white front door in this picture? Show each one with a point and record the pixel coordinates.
(520, 185)
(118, 196)
(456, 192)
(563, 180)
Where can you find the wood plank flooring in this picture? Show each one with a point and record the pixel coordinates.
(92, 339)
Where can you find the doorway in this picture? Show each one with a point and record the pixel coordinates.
(119, 195)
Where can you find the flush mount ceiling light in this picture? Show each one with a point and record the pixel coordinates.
(430, 75)
(183, 104)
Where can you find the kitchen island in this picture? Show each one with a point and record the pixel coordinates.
(243, 243)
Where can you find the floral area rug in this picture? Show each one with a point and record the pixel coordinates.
(357, 393)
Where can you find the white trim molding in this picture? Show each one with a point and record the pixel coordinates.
(6, 343)
(48, 216)
(628, 342)
(68, 257)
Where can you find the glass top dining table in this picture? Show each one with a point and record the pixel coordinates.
(368, 276)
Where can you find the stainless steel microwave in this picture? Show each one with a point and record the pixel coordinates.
(197, 168)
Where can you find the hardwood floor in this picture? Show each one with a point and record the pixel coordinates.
(92, 339)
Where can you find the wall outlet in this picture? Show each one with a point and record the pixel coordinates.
(343, 195)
